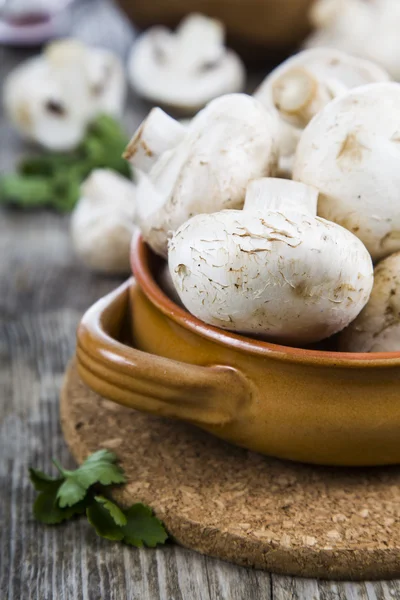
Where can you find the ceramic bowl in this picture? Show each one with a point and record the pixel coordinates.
(138, 348)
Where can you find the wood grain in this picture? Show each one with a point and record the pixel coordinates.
(43, 292)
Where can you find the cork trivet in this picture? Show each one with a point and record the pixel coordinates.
(240, 506)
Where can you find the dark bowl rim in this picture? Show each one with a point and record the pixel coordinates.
(140, 263)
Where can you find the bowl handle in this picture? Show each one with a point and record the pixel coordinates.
(204, 395)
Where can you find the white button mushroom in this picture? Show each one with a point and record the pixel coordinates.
(302, 85)
(377, 327)
(201, 169)
(52, 97)
(185, 69)
(351, 153)
(273, 269)
(366, 29)
(102, 223)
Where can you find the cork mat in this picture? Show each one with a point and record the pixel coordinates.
(240, 506)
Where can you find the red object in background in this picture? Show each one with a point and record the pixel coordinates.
(30, 23)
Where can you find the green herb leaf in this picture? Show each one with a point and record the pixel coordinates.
(143, 527)
(43, 482)
(64, 497)
(114, 510)
(100, 516)
(47, 510)
(53, 179)
(99, 467)
(25, 191)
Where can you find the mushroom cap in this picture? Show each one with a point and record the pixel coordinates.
(227, 144)
(50, 98)
(102, 223)
(37, 107)
(351, 153)
(296, 83)
(187, 68)
(288, 277)
(377, 327)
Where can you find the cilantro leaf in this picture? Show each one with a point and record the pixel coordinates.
(99, 467)
(43, 482)
(114, 510)
(47, 510)
(143, 528)
(72, 494)
(102, 517)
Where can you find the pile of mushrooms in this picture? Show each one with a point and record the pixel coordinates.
(366, 29)
(52, 97)
(246, 251)
(187, 68)
(290, 262)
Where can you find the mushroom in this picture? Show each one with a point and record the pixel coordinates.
(102, 223)
(377, 327)
(366, 29)
(52, 97)
(273, 269)
(351, 153)
(187, 68)
(199, 169)
(302, 85)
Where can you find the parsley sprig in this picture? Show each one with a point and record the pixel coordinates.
(52, 179)
(81, 491)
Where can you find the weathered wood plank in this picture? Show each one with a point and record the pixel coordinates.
(291, 588)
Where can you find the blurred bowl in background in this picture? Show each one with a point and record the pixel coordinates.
(254, 27)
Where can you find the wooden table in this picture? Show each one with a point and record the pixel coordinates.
(43, 293)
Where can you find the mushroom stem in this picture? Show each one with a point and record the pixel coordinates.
(270, 193)
(158, 132)
(299, 96)
(201, 41)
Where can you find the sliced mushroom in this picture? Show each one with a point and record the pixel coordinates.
(51, 98)
(377, 327)
(187, 68)
(365, 29)
(273, 269)
(102, 223)
(304, 84)
(202, 168)
(351, 153)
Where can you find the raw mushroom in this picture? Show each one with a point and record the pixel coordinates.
(187, 68)
(200, 169)
(102, 223)
(351, 153)
(273, 269)
(52, 97)
(366, 29)
(377, 327)
(304, 84)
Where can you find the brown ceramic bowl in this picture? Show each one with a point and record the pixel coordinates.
(257, 25)
(320, 407)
